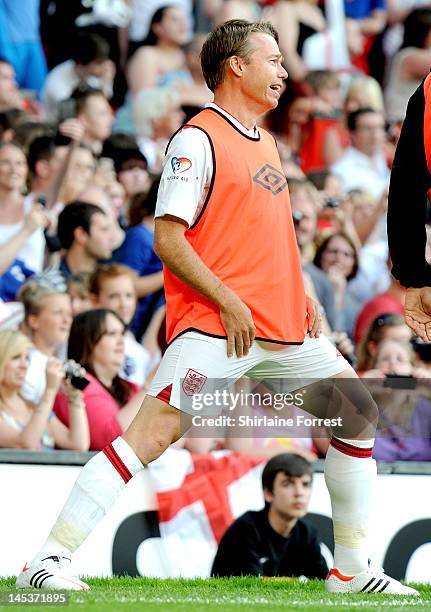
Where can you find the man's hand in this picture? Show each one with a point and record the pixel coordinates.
(72, 128)
(417, 311)
(314, 318)
(238, 323)
(36, 218)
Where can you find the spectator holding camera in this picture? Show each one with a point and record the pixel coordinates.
(404, 403)
(387, 326)
(47, 319)
(34, 426)
(96, 342)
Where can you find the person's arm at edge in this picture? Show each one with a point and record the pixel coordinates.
(409, 184)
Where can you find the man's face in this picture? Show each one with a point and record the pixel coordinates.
(305, 228)
(13, 168)
(262, 77)
(290, 495)
(369, 135)
(98, 118)
(100, 238)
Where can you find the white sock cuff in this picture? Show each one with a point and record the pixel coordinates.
(127, 455)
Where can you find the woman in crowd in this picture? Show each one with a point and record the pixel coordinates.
(161, 60)
(47, 319)
(30, 426)
(96, 341)
(113, 287)
(21, 221)
(384, 327)
(337, 257)
(404, 402)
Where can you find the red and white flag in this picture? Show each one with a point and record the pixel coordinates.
(198, 497)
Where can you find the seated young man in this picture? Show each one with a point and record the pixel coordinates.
(275, 541)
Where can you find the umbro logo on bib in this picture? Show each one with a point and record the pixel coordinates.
(270, 178)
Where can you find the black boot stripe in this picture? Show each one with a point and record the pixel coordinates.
(39, 578)
(384, 586)
(378, 583)
(39, 586)
(35, 575)
(367, 585)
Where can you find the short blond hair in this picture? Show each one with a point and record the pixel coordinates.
(229, 39)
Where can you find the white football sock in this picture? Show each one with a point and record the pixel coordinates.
(98, 486)
(350, 481)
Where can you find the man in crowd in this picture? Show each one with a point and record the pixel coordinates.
(86, 234)
(90, 64)
(96, 116)
(275, 541)
(363, 165)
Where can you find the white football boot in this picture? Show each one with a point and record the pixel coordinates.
(371, 580)
(53, 572)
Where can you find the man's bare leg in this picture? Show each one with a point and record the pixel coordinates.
(98, 486)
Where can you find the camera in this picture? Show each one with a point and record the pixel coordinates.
(399, 381)
(72, 371)
(331, 202)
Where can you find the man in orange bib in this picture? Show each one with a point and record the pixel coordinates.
(235, 306)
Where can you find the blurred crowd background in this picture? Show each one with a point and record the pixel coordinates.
(90, 93)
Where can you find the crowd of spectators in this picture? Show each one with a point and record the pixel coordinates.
(90, 93)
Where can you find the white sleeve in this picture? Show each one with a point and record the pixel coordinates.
(186, 176)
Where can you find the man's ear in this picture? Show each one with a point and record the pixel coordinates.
(32, 322)
(268, 495)
(80, 236)
(236, 64)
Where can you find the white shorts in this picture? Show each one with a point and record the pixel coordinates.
(198, 364)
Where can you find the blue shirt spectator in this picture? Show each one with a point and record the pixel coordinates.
(137, 252)
(360, 9)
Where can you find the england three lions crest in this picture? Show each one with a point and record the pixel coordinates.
(193, 382)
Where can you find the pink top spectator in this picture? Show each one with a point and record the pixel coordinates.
(102, 410)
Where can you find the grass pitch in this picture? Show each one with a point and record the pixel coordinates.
(221, 595)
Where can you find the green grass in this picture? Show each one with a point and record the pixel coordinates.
(222, 595)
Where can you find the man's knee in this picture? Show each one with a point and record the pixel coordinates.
(155, 427)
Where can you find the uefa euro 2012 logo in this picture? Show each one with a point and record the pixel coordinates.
(180, 164)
